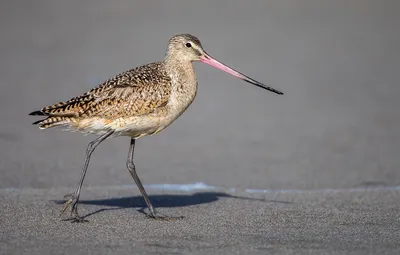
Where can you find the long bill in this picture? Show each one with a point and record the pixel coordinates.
(205, 58)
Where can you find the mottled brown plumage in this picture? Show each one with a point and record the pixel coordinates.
(139, 102)
(135, 92)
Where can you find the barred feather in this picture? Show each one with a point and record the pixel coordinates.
(135, 92)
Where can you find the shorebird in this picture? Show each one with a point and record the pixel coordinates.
(136, 103)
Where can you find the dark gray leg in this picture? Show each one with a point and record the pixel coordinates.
(132, 170)
(74, 197)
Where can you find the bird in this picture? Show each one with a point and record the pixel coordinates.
(135, 103)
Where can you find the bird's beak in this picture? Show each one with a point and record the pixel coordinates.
(205, 58)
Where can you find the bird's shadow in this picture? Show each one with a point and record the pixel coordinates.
(162, 201)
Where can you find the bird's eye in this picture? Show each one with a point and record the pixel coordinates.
(188, 45)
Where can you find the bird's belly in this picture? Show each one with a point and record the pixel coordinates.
(133, 126)
(151, 124)
(137, 127)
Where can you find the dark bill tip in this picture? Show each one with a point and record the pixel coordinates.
(259, 84)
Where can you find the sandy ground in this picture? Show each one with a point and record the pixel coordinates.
(326, 151)
(216, 222)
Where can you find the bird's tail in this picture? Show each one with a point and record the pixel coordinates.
(50, 121)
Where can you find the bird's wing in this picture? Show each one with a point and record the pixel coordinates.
(135, 92)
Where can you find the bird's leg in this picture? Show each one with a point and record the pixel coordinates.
(74, 197)
(132, 170)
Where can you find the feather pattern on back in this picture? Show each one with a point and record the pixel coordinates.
(135, 92)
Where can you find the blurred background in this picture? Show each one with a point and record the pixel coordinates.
(337, 61)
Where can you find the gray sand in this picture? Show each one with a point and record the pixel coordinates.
(362, 222)
(334, 136)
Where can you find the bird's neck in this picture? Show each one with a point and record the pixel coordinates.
(182, 74)
(184, 82)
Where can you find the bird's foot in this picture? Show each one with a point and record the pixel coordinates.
(73, 202)
(158, 216)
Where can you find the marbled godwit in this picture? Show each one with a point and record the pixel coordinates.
(136, 103)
